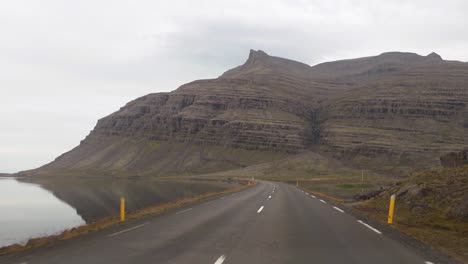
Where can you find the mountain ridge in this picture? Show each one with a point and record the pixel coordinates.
(398, 109)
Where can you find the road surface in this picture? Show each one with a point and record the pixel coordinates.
(268, 223)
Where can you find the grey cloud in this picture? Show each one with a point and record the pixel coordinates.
(67, 64)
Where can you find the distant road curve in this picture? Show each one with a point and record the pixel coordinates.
(268, 223)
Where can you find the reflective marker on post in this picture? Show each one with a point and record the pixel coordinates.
(391, 210)
(122, 209)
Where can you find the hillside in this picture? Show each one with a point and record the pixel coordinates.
(389, 113)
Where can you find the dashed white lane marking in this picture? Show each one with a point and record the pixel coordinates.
(322, 201)
(209, 202)
(126, 230)
(370, 227)
(313, 196)
(259, 210)
(269, 197)
(428, 262)
(183, 211)
(338, 209)
(220, 260)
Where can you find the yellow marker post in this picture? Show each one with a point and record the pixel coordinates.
(122, 209)
(391, 210)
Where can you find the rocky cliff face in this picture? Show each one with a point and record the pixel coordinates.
(455, 159)
(395, 107)
(412, 115)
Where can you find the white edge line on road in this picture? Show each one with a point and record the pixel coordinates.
(220, 260)
(370, 227)
(338, 209)
(322, 201)
(183, 211)
(126, 230)
(259, 210)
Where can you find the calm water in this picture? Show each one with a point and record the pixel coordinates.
(46, 207)
(29, 211)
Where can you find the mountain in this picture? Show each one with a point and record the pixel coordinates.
(390, 113)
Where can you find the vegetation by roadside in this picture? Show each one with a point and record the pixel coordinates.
(431, 206)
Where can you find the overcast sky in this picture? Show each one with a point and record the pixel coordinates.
(65, 64)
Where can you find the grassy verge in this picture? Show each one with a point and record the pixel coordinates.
(112, 221)
(448, 235)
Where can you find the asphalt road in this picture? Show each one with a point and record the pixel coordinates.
(268, 223)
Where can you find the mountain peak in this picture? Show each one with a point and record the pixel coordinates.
(409, 57)
(259, 62)
(257, 54)
(434, 56)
